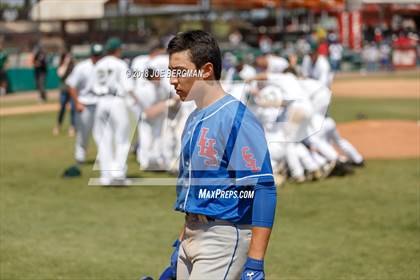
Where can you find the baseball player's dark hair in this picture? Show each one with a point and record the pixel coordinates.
(202, 46)
(156, 47)
(292, 70)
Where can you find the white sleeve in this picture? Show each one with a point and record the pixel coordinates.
(273, 77)
(306, 66)
(277, 64)
(140, 63)
(325, 75)
(126, 81)
(247, 72)
(229, 74)
(73, 80)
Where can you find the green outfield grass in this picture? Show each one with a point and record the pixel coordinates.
(364, 226)
(344, 109)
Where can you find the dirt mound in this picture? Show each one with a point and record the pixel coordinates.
(383, 139)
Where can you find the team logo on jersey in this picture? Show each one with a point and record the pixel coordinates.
(248, 157)
(206, 148)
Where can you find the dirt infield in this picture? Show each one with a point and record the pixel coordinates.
(383, 139)
(27, 95)
(29, 109)
(27, 103)
(377, 88)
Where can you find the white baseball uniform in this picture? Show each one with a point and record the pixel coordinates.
(276, 64)
(321, 71)
(139, 65)
(274, 134)
(299, 112)
(318, 94)
(320, 97)
(140, 62)
(266, 115)
(299, 109)
(318, 141)
(246, 72)
(172, 133)
(112, 126)
(153, 134)
(306, 66)
(331, 134)
(80, 79)
(150, 153)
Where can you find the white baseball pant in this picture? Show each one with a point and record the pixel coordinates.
(84, 125)
(296, 129)
(111, 132)
(333, 136)
(149, 153)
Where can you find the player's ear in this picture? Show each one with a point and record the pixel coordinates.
(207, 71)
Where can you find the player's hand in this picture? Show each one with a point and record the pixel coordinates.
(79, 107)
(253, 270)
(170, 272)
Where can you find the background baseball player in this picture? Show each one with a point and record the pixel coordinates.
(152, 90)
(316, 66)
(271, 63)
(155, 100)
(64, 69)
(112, 125)
(297, 118)
(271, 114)
(79, 82)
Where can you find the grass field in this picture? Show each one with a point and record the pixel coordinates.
(344, 109)
(364, 226)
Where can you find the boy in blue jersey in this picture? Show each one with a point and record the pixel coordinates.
(225, 185)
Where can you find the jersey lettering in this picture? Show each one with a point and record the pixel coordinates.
(103, 76)
(249, 159)
(206, 148)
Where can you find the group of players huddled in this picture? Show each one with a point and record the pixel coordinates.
(290, 100)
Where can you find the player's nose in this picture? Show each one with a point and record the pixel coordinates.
(173, 80)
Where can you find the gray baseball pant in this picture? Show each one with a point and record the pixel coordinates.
(213, 250)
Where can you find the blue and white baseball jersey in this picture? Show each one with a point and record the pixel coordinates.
(224, 154)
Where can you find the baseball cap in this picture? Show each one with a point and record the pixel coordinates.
(314, 47)
(239, 57)
(113, 44)
(96, 49)
(258, 52)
